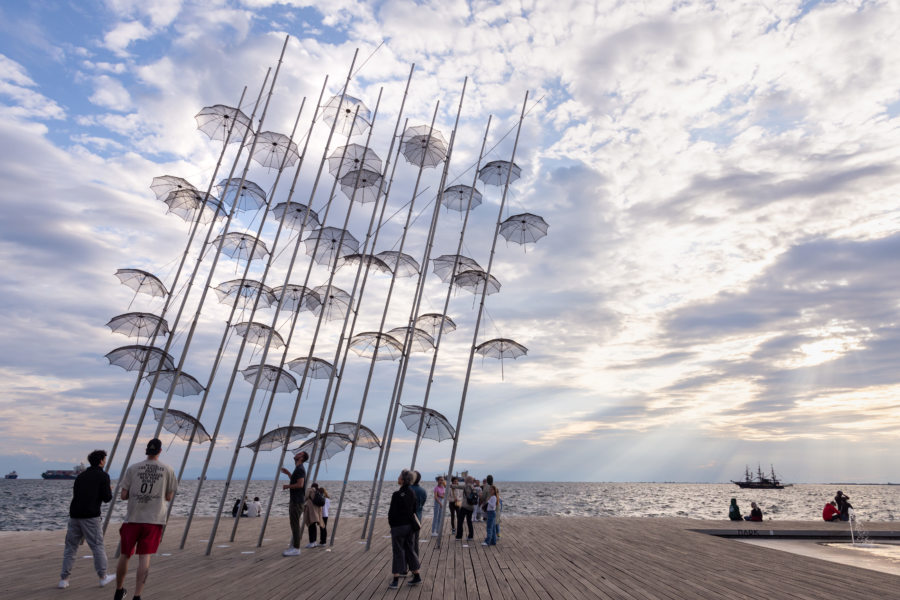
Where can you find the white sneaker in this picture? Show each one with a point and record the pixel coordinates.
(484, 543)
(63, 583)
(310, 545)
(434, 533)
(108, 579)
(291, 552)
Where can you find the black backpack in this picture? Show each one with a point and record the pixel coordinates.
(318, 498)
(472, 498)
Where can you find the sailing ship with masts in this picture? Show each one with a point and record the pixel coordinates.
(760, 481)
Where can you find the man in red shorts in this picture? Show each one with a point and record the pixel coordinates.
(148, 486)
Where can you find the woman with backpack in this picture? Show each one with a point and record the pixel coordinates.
(467, 506)
(312, 513)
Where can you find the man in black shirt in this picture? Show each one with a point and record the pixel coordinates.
(91, 488)
(297, 486)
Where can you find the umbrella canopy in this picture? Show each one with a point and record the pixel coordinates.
(421, 341)
(523, 229)
(404, 264)
(190, 205)
(457, 197)
(432, 322)
(186, 385)
(353, 157)
(365, 344)
(436, 426)
(296, 216)
(244, 291)
(318, 368)
(216, 120)
(361, 185)
(297, 297)
(241, 246)
(279, 437)
(244, 196)
(443, 265)
(142, 282)
(272, 378)
(132, 357)
(274, 150)
(343, 110)
(138, 324)
(366, 439)
(182, 425)
(424, 146)
(372, 261)
(335, 302)
(259, 333)
(332, 241)
(475, 280)
(164, 185)
(496, 172)
(501, 348)
(326, 445)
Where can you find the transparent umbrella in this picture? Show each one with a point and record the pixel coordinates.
(475, 280)
(421, 341)
(424, 146)
(272, 378)
(259, 333)
(404, 264)
(318, 368)
(523, 229)
(297, 297)
(294, 215)
(245, 196)
(367, 438)
(132, 357)
(138, 324)
(436, 426)
(274, 150)
(333, 241)
(241, 246)
(278, 437)
(353, 157)
(497, 172)
(326, 445)
(335, 302)
(142, 282)
(373, 262)
(343, 111)
(216, 120)
(443, 265)
(164, 185)
(182, 424)
(457, 197)
(244, 292)
(365, 344)
(432, 322)
(186, 385)
(501, 348)
(361, 186)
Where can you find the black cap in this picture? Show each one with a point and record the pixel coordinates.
(154, 447)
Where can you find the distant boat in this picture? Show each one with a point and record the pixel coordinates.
(760, 482)
(63, 474)
(11, 475)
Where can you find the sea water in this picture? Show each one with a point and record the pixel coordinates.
(30, 504)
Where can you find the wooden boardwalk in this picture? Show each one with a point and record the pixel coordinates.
(537, 558)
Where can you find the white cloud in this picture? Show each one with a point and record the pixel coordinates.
(16, 85)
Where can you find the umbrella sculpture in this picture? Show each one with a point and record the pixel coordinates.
(259, 333)
(182, 425)
(475, 280)
(496, 172)
(423, 146)
(335, 302)
(245, 196)
(457, 197)
(278, 437)
(432, 321)
(318, 368)
(374, 262)
(244, 291)
(365, 343)
(138, 324)
(186, 386)
(523, 229)
(501, 348)
(272, 377)
(241, 246)
(274, 150)
(443, 265)
(189, 205)
(366, 439)
(142, 282)
(216, 120)
(421, 341)
(294, 216)
(164, 185)
(404, 264)
(352, 115)
(297, 297)
(353, 157)
(132, 357)
(362, 186)
(332, 241)
(327, 445)
(436, 426)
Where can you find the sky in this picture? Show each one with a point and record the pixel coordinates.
(718, 287)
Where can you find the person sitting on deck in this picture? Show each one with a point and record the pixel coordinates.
(830, 512)
(734, 512)
(755, 513)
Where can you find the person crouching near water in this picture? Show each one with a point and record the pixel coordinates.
(402, 520)
(734, 512)
(755, 513)
(842, 501)
(830, 512)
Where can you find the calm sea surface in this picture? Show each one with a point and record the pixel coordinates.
(28, 504)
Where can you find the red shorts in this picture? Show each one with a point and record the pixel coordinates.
(146, 536)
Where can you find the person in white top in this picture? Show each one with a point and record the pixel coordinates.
(254, 509)
(323, 532)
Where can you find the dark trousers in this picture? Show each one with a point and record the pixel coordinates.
(464, 513)
(405, 554)
(295, 511)
(454, 511)
(323, 532)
